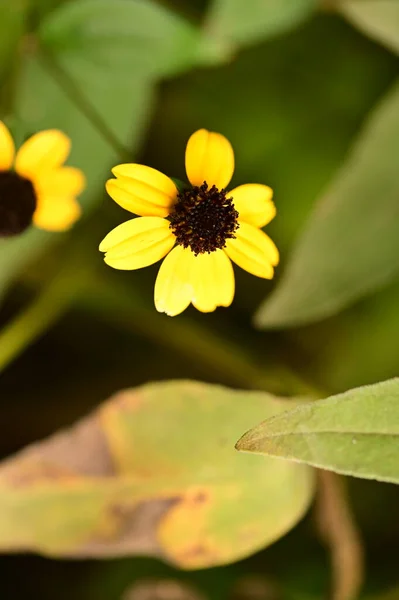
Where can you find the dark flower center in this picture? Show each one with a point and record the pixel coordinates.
(203, 219)
(17, 203)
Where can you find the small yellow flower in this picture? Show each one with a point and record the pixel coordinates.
(34, 184)
(199, 229)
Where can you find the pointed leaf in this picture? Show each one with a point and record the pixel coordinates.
(254, 20)
(377, 18)
(154, 470)
(356, 433)
(130, 37)
(350, 246)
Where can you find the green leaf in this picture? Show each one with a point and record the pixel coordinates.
(131, 37)
(355, 433)
(123, 107)
(350, 246)
(253, 20)
(154, 470)
(42, 103)
(377, 18)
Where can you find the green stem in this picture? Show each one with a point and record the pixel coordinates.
(338, 530)
(34, 320)
(17, 17)
(118, 304)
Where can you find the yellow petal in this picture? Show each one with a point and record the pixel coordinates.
(42, 152)
(173, 289)
(148, 175)
(7, 148)
(254, 203)
(142, 190)
(253, 251)
(65, 181)
(212, 280)
(210, 158)
(56, 213)
(137, 243)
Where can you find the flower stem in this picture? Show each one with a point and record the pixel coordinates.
(340, 534)
(118, 304)
(44, 311)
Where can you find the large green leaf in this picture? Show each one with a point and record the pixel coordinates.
(154, 470)
(377, 18)
(350, 246)
(42, 103)
(128, 36)
(356, 433)
(253, 20)
(124, 107)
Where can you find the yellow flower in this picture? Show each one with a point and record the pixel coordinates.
(199, 229)
(34, 184)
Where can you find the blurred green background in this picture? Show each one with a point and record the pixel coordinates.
(291, 84)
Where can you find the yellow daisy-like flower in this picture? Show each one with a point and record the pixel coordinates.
(199, 229)
(34, 184)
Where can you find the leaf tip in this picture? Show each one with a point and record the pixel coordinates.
(242, 444)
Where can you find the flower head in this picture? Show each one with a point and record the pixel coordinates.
(34, 184)
(200, 229)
